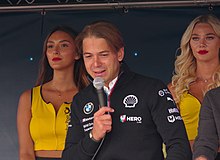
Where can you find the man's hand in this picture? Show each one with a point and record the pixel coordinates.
(102, 123)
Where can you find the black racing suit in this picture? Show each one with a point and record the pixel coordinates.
(144, 117)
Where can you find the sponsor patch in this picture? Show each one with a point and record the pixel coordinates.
(87, 119)
(130, 101)
(173, 110)
(169, 99)
(87, 126)
(87, 123)
(173, 118)
(88, 108)
(163, 92)
(67, 110)
(126, 118)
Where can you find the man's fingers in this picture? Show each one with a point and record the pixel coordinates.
(103, 110)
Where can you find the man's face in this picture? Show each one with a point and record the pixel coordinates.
(100, 60)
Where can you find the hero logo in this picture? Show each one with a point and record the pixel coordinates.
(173, 118)
(125, 118)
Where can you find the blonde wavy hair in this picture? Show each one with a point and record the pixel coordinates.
(185, 64)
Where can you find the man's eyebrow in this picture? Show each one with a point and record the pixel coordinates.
(86, 53)
(105, 51)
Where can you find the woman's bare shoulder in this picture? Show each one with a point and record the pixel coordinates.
(171, 88)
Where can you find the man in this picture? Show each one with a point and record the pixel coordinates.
(140, 113)
(206, 146)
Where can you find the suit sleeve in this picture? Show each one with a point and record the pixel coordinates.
(169, 124)
(78, 145)
(206, 143)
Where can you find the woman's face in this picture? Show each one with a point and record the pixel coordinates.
(205, 43)
(60, 50)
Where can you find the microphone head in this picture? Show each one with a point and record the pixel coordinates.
(98, 82)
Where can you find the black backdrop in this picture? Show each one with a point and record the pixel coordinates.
(152, 37)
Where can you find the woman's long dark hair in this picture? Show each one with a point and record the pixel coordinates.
(46, 72)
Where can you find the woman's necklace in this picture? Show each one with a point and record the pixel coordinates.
(58, 91)
(203, 79)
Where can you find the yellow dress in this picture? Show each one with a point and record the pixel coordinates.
(47, 129)
(189, 110)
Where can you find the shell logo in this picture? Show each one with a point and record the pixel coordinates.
(130, 101)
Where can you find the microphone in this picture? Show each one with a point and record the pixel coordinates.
(98, 83)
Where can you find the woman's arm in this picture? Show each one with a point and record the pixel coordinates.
(26, 149)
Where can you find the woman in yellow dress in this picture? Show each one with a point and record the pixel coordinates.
(197, 69)
(43, 111)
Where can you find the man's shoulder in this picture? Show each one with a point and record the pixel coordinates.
(87, 90)
(215, 92)
(138, 77)
(147, 79)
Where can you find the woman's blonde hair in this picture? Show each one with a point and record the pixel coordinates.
(185, 64)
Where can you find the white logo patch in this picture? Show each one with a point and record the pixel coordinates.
(87, 119)
(169, 99)
(173, 118)
(163, 92)
(130, 101)
(126, 118)
(88, 108)
(173, 110)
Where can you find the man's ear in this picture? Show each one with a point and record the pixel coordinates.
(121, 54)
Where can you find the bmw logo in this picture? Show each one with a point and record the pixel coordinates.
(88, 108)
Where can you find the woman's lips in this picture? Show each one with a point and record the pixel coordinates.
(203, 52)
(56, 59)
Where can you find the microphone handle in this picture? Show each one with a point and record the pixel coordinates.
(101, 97)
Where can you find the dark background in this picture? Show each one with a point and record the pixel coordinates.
(152, 33)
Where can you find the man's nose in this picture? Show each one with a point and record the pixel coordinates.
(97, 61)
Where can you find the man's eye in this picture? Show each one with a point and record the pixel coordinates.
(87, 56)
(104, 54)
